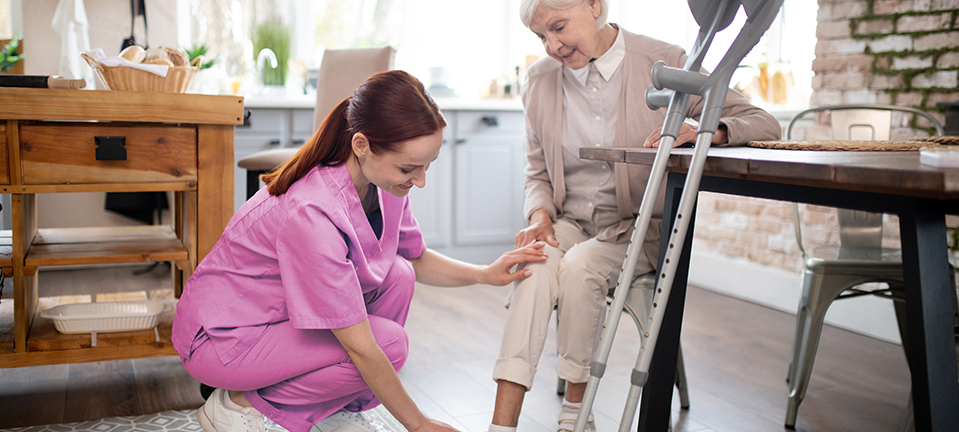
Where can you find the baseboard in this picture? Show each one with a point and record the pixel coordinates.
(780, 290)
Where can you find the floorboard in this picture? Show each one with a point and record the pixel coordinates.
(736, 359)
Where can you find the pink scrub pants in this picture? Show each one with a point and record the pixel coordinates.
(298, 377)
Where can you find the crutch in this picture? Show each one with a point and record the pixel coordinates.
(672, 87)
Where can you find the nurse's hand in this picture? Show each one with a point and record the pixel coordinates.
(498, 272)
(540, 229)
(431, 425)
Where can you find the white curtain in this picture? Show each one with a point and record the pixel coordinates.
(70, 22)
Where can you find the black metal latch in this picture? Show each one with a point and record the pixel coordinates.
(111, 147)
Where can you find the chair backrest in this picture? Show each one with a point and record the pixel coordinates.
(342, 71)
(859, 228)
(859, 122)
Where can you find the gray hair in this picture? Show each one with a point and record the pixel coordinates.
(528, 7)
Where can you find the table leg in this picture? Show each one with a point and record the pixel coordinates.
(929, 316)
(655, 405)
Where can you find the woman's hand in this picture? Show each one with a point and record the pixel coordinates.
(540, 229)
(687, 134)
(498, 272)
(431, 425)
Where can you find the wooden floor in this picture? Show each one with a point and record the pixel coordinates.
(736, 357)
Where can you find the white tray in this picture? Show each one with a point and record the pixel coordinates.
(105, 317)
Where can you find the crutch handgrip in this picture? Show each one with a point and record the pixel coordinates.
(680, 80)
(656, 99)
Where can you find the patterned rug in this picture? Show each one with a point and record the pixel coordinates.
(176, 421)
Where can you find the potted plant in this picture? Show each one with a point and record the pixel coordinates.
(200, 50)
(9, 56)
(276, 37)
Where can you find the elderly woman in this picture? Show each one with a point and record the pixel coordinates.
(588, 92)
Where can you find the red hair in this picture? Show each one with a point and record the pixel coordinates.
(389, 107)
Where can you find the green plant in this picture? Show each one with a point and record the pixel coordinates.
(276, 37)
(200, 50)
(8, 55)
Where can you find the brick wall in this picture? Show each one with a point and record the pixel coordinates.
(901, 52)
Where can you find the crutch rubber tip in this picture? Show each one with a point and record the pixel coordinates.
(639, 378)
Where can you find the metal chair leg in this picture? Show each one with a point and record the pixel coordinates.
(817, 296)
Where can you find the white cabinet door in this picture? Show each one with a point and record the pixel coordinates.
(432, 205)
(487, 178)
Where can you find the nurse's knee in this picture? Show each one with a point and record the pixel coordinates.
(392, 339)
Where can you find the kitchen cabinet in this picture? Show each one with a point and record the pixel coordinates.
(71, 141)
(472, 206)
(268, 126)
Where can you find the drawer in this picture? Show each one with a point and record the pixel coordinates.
(489, 123)
(303, 122)
(67, 153)
(265, 120)
(4, 166)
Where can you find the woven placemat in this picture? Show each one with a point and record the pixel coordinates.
(938, 139)
(839, 145)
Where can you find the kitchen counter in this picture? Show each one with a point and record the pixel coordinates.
(460, 104)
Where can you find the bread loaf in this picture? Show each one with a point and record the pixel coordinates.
(134, 53)
(156, 54)
(179, 58)
(159, 61)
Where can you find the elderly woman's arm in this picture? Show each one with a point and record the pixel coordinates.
(741, 121)
(539, 209)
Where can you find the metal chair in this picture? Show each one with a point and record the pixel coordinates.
(341, 72)
(837, 272)
(639, 301)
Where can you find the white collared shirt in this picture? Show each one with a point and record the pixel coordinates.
(591, 100)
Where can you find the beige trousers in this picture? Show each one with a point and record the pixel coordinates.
(575, 279)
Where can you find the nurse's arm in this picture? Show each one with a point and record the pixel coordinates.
(380, 375)
(434, 268)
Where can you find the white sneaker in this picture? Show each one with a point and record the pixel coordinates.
(345, 421)
(221, 414)
(567, 418)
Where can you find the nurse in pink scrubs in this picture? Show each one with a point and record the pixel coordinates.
(297, 313)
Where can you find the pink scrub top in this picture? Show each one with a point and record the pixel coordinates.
(307, 256)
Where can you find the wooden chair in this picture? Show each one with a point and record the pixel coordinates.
(341, 72)
(838, 272)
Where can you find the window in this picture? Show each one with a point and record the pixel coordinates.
(477, 42)
(6, 23)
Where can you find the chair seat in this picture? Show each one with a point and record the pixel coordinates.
(858, 254)
(266, 160)
(846, 260)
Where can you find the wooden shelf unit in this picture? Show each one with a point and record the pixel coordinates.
(50, 142)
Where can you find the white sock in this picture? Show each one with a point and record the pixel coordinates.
(498, 428)
(572, 405)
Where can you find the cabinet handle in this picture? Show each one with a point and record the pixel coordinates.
(274, 143)
(110, 147)
(461, 141)
(490, 121)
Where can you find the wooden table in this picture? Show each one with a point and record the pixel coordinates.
(65, 141)
(888, 182)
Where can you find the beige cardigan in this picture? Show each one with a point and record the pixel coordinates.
(542, 95)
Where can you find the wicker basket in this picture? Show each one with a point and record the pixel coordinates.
(126, 78)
